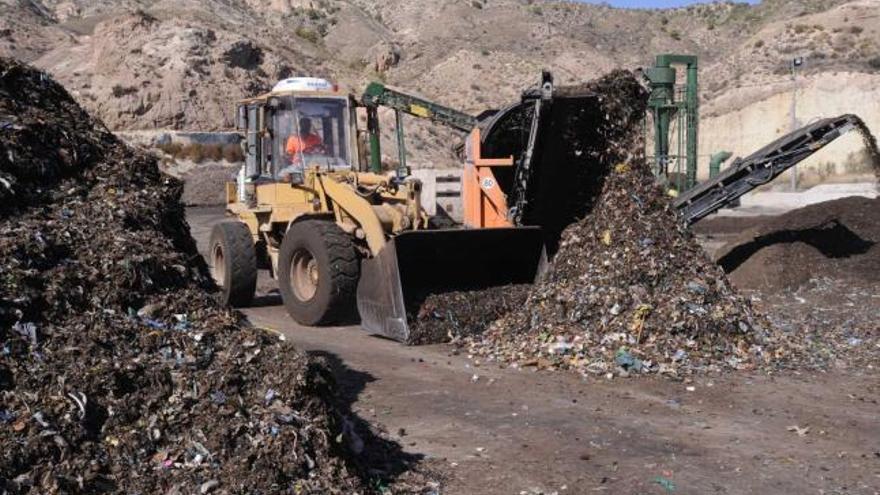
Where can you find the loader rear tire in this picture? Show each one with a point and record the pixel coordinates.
(318, 271)
(233, 262)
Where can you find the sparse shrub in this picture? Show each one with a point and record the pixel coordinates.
(232, 153)
(477, 5)
(759, 43)
(307, 34)
(357, 65)
(193, 152)
(874, 63)
(537, 10)
(826, 170)
(171, 148)
(314, 14)
(119, 91)
(675, 35)
(842, 45)
(856, 30)
(858, 162)
(801, 29)
(484, 52)
(212, 152)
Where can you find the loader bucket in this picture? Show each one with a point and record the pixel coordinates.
(416, 264)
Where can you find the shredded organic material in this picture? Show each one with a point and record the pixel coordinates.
(118, 371)
(835, 239)
(451, 316)
(629, 291)
(871, 148)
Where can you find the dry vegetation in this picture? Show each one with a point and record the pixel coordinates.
(198, 152)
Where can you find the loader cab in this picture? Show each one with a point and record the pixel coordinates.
(302, 123)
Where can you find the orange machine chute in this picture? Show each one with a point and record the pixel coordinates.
(484, 203)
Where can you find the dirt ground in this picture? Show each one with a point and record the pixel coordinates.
(502, 431)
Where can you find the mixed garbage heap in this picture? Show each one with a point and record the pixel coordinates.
(118, 371)
(628, 290)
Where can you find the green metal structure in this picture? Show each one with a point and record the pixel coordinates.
(377, 94)
(716, 160)
(678, 108)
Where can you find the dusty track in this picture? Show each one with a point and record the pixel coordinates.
(520, 431)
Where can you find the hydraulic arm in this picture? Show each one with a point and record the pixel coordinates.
(378, 94)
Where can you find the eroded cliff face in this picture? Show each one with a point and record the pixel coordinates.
(743, 120)
(148, 64)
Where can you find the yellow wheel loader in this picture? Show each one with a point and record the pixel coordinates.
(341, 238)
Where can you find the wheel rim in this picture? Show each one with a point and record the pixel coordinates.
(218, 265)
(304, 275)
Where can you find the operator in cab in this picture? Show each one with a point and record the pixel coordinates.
(306, 142)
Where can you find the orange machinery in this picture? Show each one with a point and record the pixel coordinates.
(484, 203)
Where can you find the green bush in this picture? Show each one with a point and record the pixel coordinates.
(874, 63)
(307, 34)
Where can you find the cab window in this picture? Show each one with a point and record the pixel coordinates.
(313, 132)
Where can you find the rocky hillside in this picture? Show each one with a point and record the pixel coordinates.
(143, 64)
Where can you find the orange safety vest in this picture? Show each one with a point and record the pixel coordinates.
(296, 144)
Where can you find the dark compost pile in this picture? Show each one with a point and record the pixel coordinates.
(834, 239)
(118, 371)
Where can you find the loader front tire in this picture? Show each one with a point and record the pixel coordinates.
(233, 263)
(318, 271)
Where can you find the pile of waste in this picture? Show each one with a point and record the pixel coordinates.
(118, 371)
(452, 316)
(837, 239)
(628, 290)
